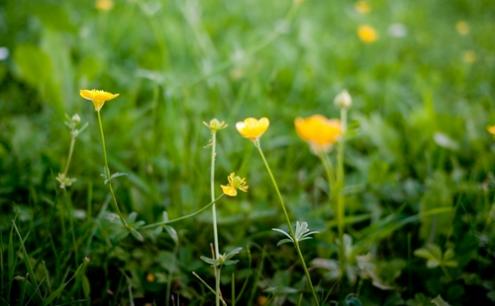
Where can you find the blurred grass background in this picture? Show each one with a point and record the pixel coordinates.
(419, 162)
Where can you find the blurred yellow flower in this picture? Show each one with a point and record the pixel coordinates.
(98, 97)
(491, 129)
(252, 128)
(104, 5)
(367, 34)
(150, 277)
(469, 57)
(235, 183)
(362, 7)
(321, 133)
(462, 27)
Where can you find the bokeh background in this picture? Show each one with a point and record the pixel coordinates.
(419, 160)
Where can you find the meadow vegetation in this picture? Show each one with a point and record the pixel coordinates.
(306, 152)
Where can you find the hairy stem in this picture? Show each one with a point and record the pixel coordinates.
(214, 216)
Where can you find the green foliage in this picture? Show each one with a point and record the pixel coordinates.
(420, 211)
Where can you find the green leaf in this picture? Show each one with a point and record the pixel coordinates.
(438, 301)
(85, 285)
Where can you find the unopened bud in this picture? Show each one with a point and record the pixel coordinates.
(76, 119)
(343, 100)
(215, 125)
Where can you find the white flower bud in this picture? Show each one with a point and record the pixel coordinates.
(76, 119)
(343, 100)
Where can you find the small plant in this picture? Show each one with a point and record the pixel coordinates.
(253, 129)
(322, 134)
(99, 98)
(75, 128)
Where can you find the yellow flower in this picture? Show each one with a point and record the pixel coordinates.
(362, 7)
(462, 27)
(367, 34)
(469, 57)
(321, 133)
(98, 97)
(252, 128)
(491, 129)
(104, 5)
(235, 182)
(150, 278)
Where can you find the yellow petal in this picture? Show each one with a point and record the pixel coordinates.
(491, 129)
(321, 133)
(229, 190)
(367, 34)
(252, 128)
(98, 97)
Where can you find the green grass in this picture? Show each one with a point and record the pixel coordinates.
(418, 161)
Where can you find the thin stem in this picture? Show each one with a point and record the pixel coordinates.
(214, 216)
(195, 213)
(340, 178)
(115, 204)
(69, 157)
(287, 218)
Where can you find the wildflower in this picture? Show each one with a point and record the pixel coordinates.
(262, 300)
(362, 7)
(98, 97)
(397, 30)
(343, 100)
(491, 129)
(104, 5)
(462, 27)
(321, 133)
(367, 34)
(4, 53)
(64, 180)
(235, 182)
(150, 278)
(215, 125)
(252, 128)
(469, 57)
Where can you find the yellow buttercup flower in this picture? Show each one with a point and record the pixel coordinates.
(235, 183)
(462, 27)
(367, 34)
(98, 97)
(321, 133)
(491, 129)
(252, 128)
(362, 7)
(104, 5)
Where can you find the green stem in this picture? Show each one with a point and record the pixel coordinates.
(69, 157)
(115, 204)
(195, 213)
(70, 209)
(214, 216)
(340, 178)
(287, 218)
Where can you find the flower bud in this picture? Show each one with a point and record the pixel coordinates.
(76, 119)
(215, 125)
(343, 100)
